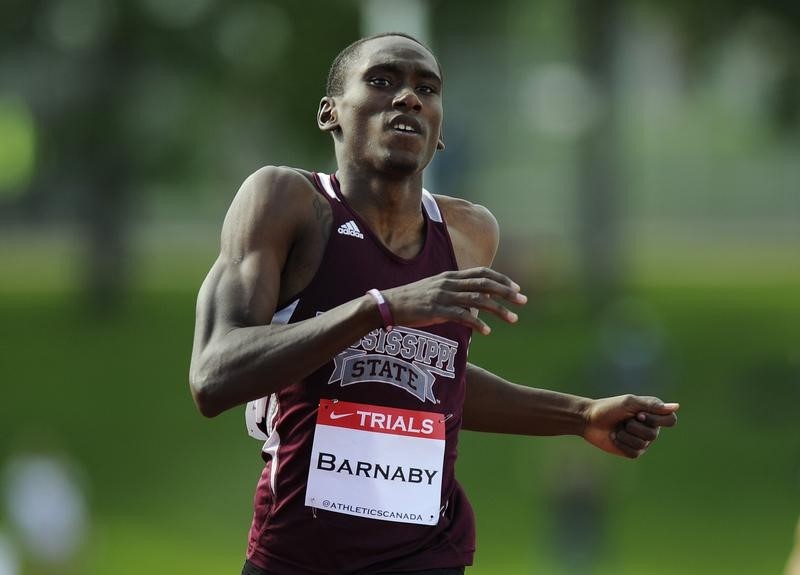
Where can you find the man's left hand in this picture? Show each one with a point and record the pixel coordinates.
(627, 425)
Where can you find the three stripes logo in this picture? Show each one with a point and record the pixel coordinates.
(351, 229)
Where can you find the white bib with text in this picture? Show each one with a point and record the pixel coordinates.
(377, 462)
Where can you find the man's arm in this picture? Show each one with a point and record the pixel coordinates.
(239, 356)
(625, 425)
(498, 406)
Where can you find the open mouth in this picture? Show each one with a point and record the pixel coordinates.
(405, 126)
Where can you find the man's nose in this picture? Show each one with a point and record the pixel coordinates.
(407, 99)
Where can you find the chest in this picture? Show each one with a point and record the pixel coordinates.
(335, 243)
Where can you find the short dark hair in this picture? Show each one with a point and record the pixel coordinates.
(336, 74)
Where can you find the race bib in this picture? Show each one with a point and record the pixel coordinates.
(377, 462)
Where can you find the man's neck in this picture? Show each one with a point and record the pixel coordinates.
(391, 206)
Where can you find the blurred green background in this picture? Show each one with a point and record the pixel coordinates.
(642, 157)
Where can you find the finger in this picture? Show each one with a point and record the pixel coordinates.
(623, 437)
(640, 430)
(655, 405)
(654, 420)
(486, 272)
(491, 287)
(626, 449)
(667, 408)
(484, 302)
(487, 279)
(465, 317)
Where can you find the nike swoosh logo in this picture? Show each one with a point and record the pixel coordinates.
(339, 415)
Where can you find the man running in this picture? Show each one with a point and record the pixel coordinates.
(341, 307)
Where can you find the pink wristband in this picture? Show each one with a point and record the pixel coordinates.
(383, 307)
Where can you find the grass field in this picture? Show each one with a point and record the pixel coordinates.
(170, 492)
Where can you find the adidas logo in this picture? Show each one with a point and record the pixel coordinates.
(351, 229)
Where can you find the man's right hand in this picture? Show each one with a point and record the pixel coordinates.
(452, 296)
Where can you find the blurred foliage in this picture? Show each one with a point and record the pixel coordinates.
(705, 22)
(17, 147)
(702, 24)
(157, 98)
(163, 94)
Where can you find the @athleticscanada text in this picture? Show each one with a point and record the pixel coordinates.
(371, 511)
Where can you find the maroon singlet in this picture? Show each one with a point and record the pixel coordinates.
(289, 538)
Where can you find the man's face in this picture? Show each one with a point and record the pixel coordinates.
(390, 112)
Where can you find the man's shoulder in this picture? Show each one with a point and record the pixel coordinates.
(278, 181)
(473, 230)
(465, 215)
(277, 198)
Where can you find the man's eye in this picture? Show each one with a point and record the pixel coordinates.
(379, 82)
(425, 89)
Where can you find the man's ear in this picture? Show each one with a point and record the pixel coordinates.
(440, 144)
(327, 120)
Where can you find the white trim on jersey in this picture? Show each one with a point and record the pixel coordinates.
(282, 316)
(254, 413)
(325, 180)
(273, 441)
(265, 410)
(431, 206)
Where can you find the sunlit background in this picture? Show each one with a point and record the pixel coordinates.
(642, 157)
